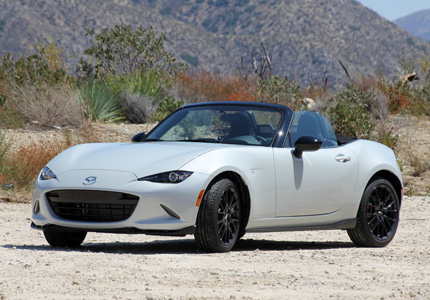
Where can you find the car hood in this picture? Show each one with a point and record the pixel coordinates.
(142, 159)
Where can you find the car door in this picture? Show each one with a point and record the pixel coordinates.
(319, 182)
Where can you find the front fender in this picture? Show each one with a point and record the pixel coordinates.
(255, 165)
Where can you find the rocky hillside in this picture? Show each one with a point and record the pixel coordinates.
(304, 38)
(417, 23)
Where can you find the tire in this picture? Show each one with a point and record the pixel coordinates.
(65, 239)
(218, 220)
(378, 215)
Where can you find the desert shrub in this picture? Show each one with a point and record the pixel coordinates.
(139, 93)
(100, 103)
(398, 95)
(276, 89)
(318, 90)
(419, 164)
(26, 81)
(123, 49)
(56, 105)
(166, 106)
(349, 112)
(202, 86)
(21, 166)
(370, 85)
(138, 108)
(148, 83)
(8, 116)
(420, 91)
(47, 67)
(420, 104)
(387, 135)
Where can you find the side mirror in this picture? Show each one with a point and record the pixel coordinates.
(306, 143)
(139, 137)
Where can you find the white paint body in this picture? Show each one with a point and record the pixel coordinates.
(320, 189)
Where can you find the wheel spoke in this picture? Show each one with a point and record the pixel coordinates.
(381, 212)
(228, 216)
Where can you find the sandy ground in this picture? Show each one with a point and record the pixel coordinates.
(297, 265)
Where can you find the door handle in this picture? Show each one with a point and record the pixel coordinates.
(343, 158)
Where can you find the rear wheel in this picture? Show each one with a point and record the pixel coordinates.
(378, 215)
(64, 239)
(218, 221)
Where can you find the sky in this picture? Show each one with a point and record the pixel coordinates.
(394, 9)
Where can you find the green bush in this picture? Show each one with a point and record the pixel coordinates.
(139, 93)
(99, 102)
(167, 106)
(349, 112)
(122, 50)
(45, 68)
(148, 83)
(276, 89)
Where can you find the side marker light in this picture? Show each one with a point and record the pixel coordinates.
(199, 198)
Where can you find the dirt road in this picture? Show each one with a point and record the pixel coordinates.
(295, 265)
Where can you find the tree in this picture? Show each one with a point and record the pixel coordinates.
(122, 50)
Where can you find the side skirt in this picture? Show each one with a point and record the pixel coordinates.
(343, 225)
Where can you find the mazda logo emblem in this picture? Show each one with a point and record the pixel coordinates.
(89, 180)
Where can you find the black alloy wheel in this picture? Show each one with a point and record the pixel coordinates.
(378, 215)
(218, 221)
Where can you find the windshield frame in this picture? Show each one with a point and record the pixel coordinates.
(278, 138)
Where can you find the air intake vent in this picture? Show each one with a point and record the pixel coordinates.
(92, 206)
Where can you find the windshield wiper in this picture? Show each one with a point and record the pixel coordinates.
(199, 140)
(152, 140)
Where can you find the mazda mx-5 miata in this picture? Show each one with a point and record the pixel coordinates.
(218, 170)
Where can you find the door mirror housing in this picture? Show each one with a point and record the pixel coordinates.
(139, 137)
(306, 143)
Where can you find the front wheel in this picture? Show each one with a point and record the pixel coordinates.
(378, 215)
(218, 221)
(64, 239)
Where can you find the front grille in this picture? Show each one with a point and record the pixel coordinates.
(92, 206)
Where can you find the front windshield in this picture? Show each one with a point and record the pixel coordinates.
(228, 124)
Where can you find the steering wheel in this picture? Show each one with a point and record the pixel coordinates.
(261, 139)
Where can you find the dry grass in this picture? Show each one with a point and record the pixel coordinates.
(138, 108)
(419, 164)
(56, 105)
(21, 165)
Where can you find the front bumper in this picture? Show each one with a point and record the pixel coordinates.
(181, 232)
(161, 209)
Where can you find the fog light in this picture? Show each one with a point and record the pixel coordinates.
(36, 207)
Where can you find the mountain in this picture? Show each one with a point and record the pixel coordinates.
(417, 23)
(304, 38)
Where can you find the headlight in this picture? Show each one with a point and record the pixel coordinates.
(168, 177)
(47, 174)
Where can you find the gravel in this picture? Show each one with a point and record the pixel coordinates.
(305, 265)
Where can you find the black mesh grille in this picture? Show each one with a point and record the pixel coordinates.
(92, 206)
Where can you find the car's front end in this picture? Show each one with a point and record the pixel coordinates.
(124, 195)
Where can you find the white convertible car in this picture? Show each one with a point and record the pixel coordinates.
(218, 170)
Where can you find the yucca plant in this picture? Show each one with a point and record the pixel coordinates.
(146, 83)
(101, 104)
